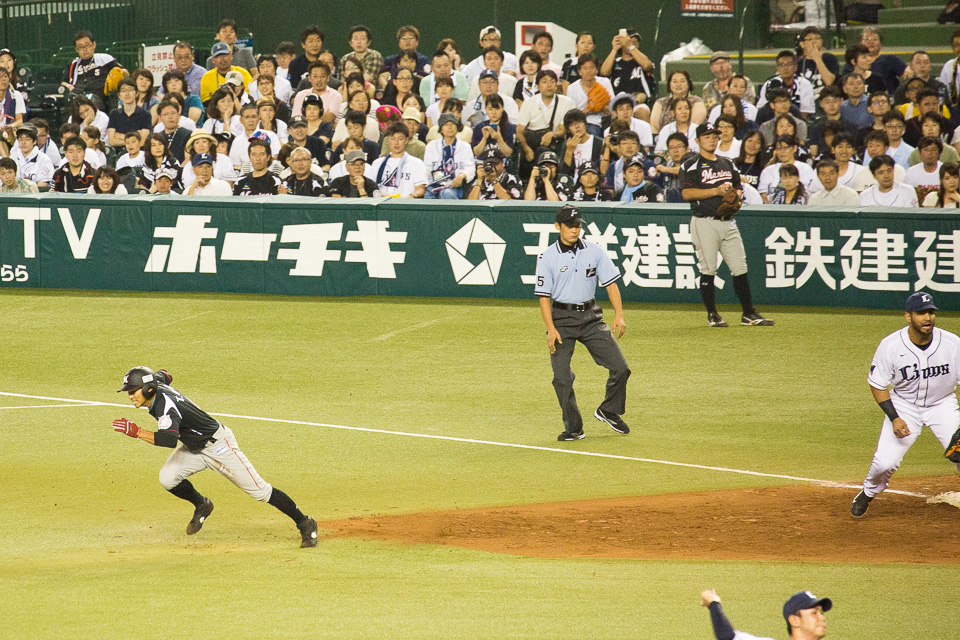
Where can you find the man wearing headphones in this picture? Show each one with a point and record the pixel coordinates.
(198, 442)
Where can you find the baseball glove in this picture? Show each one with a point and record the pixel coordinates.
(953, 449)
(730, 205)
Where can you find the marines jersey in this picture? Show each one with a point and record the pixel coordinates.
(177, 415)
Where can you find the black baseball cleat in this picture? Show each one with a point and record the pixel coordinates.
(567, 436)
(199, 515)
(714, 320)
(308, 533)
(860, 505)
(755, 320)
(616, 422)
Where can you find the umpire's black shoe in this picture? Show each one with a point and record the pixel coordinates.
(860, 505)
(308, 533)
(199, 515)
(616, 422)
(756, 320)
(714, 320)
(567, 436)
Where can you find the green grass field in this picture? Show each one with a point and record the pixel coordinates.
(93, 547)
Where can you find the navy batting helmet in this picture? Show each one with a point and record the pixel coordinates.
(140, 378)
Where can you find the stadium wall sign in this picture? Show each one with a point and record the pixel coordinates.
(289, 245)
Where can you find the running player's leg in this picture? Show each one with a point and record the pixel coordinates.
(180, 465)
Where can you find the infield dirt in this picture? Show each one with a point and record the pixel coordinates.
(787, 523)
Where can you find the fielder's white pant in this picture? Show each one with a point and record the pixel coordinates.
(943, 419)
(223, 456)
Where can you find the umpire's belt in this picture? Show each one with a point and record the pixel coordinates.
(575, 307)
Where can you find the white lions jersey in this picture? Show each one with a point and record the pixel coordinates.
(922, 377)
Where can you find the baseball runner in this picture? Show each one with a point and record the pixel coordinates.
(803, 613)
(921, 365)
(199, 442)
(567, 276)
(711, 185)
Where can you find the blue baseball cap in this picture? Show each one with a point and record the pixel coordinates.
(920, 301)
(488, 73)
(202, 158)
(219, 49)
(804, 600)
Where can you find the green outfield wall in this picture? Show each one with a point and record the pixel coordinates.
(331, 247)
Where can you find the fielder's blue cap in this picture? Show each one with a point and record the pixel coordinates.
(920, 301)
(804, 600)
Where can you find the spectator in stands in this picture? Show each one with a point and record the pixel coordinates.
(855, 108)
(354, 81)
(680, 122)
(76, 175)
(449, 162)
(945, 197)
(859, 60)
(281, 91)
(260, 181)
(158, 159)
(360, 38)
(886, 192)
(127, 117)
(911, 107)
(401, 85)
(355, 184)
(222, 112)
(474, 111)
(175, 135)
(580, 146)
(844, 159)
(568, 72)
(821, 68)
(165, 182)
(205, 184)
(319, 73)
(540, 119)
(546, 183)
(146, 98)
(785, 125)
(302, 181)
(626, 145)
(12, 106)
(31, 164)
(877, 142)
(106, 181)
(496, 131)
(311, 39)
(530, 66)
(780, 105)
(313, 113)
(8, 61)
(354, 125)
(490, 37)
(134, 156)
(785, 152)
(636, 188)
(925, 175)
(737, 108)
(878, 104)
(631, 71)
(266, 89)
(84, 113)
(728, 146)
(833, 194)
(889, 67)
(222, 57)
(920, 68)
(623, 108)
(452, 49)
(894, 126)
(722, 71)
(399, 173)
(201, 142)
(443, 68)
(285, 53)
(297, 131)
(185, 64)
(928, 103)
(591, 93)
(831, 98)
(10, 182)
(248, 131)
(87, 73)
(46, 145)
(267, 110)
(789, 191)
(358, 102)
(799, 88)
(408, 40)
(174, 82)
(950, 73)
(931, 124)
(493, 182)
(227, 33)
(589, 188)
(543, 45)
(680, 86)
(493, 60)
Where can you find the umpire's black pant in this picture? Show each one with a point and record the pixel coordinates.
(589, 328)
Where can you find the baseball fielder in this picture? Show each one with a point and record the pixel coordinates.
(199, 442)
(921, 364)
(803, 613)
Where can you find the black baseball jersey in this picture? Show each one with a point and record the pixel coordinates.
(507, 181)
(179, 416)
(65, 182)
(700, 173)
(563, 186)
(265, 185)
(89, 76)
(313, 185)
(600, 195)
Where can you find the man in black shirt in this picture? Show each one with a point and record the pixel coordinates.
(76, 175)
(705, 179)
(177, 136)
(493, 182)
(87, 73)
(303, 181)
(199, 442)
(259, 182)
(589, 188)
(354, 184)
(546, 183)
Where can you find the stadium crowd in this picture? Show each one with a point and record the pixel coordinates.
(868, 130)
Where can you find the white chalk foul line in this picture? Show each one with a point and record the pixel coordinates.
(422, 325)
(49, 406)
(196, 315)
(529, 447)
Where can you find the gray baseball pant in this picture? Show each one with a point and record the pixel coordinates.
(712, 236)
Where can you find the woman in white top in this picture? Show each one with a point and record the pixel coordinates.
(85, 113)
(680, 109)
(947, 196)
(359, 101)
(106, 180)
(267, 66)
(729, 146)
(221, 112)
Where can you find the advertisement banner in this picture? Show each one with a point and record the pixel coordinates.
(706, 8)
(287, 245)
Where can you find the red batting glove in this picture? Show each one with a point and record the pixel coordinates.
(126, 427)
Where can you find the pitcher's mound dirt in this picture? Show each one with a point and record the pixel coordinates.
(790, 523)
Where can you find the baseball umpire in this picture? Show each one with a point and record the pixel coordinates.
(804, 613)
(567, 276)
(199, 442)
(711, 185)
(921, 365)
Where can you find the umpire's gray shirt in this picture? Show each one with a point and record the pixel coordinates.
(570, 274)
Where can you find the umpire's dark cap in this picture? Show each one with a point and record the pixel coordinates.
(569, 215)
(705, 129)
(920, 301)
(804, 600)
